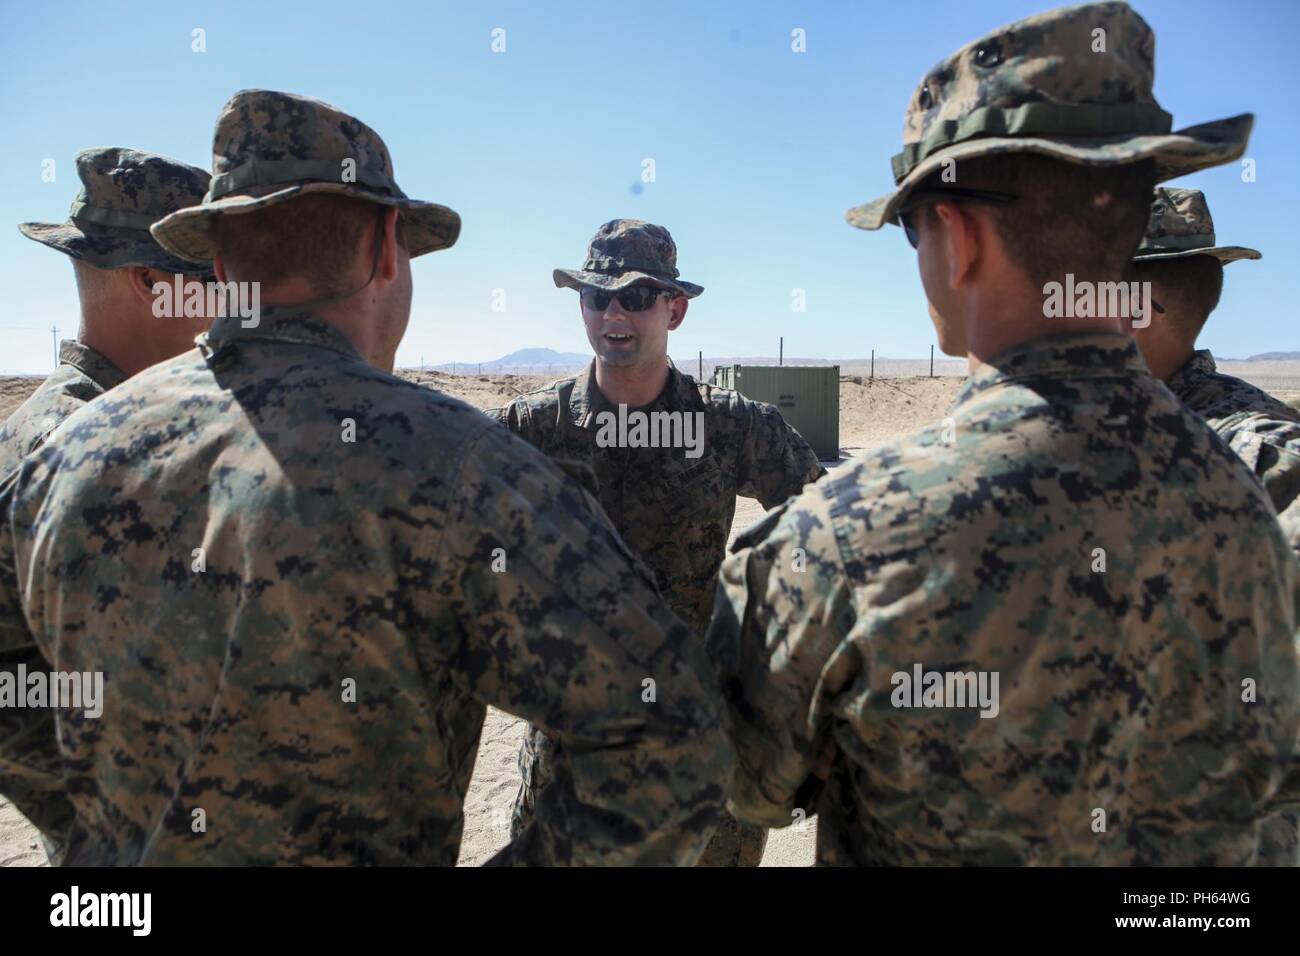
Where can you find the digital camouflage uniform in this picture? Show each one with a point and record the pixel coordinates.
(83, 374)
(123, 192)
(1264, 432)
(1072, 529)
(674, 512)
(304, 580)
(1119, 690)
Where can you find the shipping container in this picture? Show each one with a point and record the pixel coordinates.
(808, 397)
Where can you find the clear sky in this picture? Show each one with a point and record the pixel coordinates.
(758, 150)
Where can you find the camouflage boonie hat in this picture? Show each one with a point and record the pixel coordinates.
(269, 147)
(123, 193)
(1181, 226)
(624, 252)
(1042, 85)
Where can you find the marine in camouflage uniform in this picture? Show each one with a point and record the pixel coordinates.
(123, 192)
(1263, 431)
(673, 510)
(300, 633)
(973, 547)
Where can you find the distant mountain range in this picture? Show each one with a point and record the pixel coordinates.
(561, 360)
(1272, 357)
(541, 357)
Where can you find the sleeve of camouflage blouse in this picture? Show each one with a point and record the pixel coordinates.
(778, 640)
(561, 626)
(30, 764)
(513, 417)
(14, 635)
(776, 461)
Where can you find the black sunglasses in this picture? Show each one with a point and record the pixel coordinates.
(635, 298)
(921, 196)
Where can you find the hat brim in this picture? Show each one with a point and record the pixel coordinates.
(580, 278)
(426, 227)
(110, 248)
(1175, 154)
(1224, 254)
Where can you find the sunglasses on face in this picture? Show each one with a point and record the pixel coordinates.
(922, 196)
(635, 298)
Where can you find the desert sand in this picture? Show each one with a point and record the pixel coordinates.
(872, 412)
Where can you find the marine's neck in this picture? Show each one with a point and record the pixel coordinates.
(125, 342)
(634, 387)
(990, 333)
(1165, 363)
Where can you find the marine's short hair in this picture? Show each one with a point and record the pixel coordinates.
(1069, 217)
(1189, 288)
(314, 237)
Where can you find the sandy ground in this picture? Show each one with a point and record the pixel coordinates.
(872, 412)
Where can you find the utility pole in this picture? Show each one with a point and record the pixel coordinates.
(873, 365)
(780, 355)
(932, 361)
(701, 365)
(54, 330)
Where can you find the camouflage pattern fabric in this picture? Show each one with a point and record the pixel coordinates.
(123, 192)
(674, 512)
(1074, 84)
(31, 772)
(269, 147)
(83, 374)
(974, 547)
(625, 252)
(1181, 226)
(733, 843)
(1264, 432)
(300, 633)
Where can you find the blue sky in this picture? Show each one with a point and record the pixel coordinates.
(758, 151)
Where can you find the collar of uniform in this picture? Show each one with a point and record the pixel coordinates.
(586, 398)
(279, 325)
(582, 396)
(93, 364)
(1076, 355)
(1199, 366)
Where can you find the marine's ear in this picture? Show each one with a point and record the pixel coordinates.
(389, 226)
(962, 238)
(142, 279)
(677, 311)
